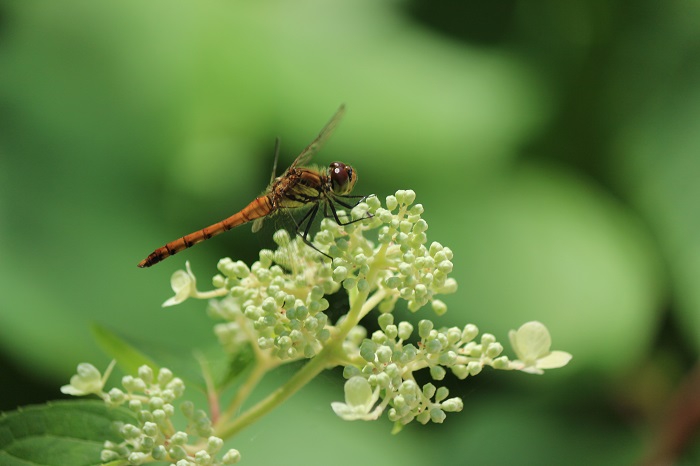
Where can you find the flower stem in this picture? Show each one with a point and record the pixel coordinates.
(258, 372)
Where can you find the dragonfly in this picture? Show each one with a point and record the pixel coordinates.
(298, 187)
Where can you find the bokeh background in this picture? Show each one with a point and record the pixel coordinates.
(554, 145)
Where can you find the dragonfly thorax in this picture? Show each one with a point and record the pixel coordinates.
(343, 178)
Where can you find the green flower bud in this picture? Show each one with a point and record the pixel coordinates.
(340, 273)
(448, 358)
(362, 285)
(384, 354)
(384, 320)
(501, 363)
(405, 330)
(281, 238)
(474, 368)
(437, 415)
(150, 429)
(130, 431)
(177, 452)
(409, 387)
(429, 390)
(487, 339)
(439, 307)
(469, 333)
(324, 335)
(137, 458)
(132, 384)
(179, 438)
(231, 457)
(424, 328)
(437, 372)
(202, 457)
(452, 405)
(350, 371)
(135, 405)
(158, 453)
(392, 370)
(383, 379)
(494, 350)
(423, 417)
(392, 282)
(367, 350)
(144, 416)
(165, 375)
(410, 352)
(160, 417)
(116, 397)
(460, 371)
(107, 456)
(420, 226)
(156, 402)
(441, 394)
(146, 374)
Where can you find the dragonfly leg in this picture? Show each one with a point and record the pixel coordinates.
(309, 219)
(347, 206)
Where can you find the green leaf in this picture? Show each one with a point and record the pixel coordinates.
(60, 433)
(178, 360)
(241, 360)
(128, 357)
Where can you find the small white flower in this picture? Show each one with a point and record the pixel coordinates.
(184, 284)
(87, 381)
(531, 343)
(359, 400)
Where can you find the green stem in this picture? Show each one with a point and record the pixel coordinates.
(258, 372)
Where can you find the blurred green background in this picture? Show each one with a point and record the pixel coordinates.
(554, 145)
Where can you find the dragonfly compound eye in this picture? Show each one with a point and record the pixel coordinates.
(343, 177)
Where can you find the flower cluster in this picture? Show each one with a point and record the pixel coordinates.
(278, 303)
(388, 364)
(278, 306)
(284, 312)
(153, 437)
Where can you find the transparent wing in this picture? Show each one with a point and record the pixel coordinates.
(257, 224)
(274, 164)
(316, 144)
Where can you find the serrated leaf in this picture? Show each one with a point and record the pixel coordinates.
(59, 433)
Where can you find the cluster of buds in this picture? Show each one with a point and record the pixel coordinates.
(386, 363)
(152, 436)
(278, 303)
(385, 366)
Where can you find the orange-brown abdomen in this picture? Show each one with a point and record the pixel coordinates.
(260, 207)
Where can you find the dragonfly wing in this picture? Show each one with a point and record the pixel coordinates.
(274, 164)
(316, 144)
(257, 224)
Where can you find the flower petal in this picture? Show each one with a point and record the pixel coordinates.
(531, 341)
(554, 360)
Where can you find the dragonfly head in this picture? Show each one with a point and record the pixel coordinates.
(343, 177)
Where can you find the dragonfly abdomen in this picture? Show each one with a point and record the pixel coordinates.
(260, 207)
